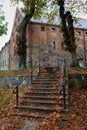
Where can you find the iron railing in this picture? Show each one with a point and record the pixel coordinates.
(63, 83)
(16, 89)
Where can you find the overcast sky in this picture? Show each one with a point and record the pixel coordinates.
(9, 14)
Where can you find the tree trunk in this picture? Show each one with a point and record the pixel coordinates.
(74, 59)
(22, 43)
(22, 36)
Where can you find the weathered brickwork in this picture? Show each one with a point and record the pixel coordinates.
(14, 60)
(44, 34)
(4, 57)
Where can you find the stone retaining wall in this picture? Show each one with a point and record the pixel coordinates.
(11, 81)
(77, 80)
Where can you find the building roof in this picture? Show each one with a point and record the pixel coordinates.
(82, 23)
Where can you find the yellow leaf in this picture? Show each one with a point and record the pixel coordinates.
(73, 115)
(57, 116)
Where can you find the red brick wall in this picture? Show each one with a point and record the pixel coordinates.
(17, 20)
(38, 33)
(36, 36)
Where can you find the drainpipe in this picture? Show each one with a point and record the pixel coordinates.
(84, 48)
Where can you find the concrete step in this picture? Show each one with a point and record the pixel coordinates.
(40, 89)
(43, 82)
(41, 93)
(42, 97)
(43, 88)
(39, 97)
(38, 102)
(42, 85)
(44, 79)
(40, 77)
(31, 115)
(36, 108)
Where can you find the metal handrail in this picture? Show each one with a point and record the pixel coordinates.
(63, 82)
(17, 87)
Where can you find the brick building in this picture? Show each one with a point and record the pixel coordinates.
(14, 59)
(49, 36)
(4, 57)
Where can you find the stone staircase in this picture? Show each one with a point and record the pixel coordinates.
(41, 99)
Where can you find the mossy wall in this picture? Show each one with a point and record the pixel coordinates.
(11, 81)
(77, 80)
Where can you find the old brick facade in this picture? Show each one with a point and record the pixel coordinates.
(48, 36)
(4, 57)
(39, 33)
(14, 59)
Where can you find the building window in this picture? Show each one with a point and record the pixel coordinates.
(85, 33)
(78, 33)
(42, 28)
(54, 47)
(52, 29)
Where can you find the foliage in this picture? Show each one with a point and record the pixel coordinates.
(3, 24)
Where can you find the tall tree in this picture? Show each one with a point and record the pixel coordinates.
(3, 24)
(67, 28)
(31, 8)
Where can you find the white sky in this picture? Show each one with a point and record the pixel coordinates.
(9, 14)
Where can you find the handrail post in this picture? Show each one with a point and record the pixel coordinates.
(39, 65)
(64, 90)
(63, 82)
(64, 97)
(17, 94)
(31, 75)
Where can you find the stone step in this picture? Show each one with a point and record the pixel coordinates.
(44, 89)
(46, 77)
(53, 73)
(40, 97)
(36, 108)
(31, 115)
(42, 85)
(38, 102)
(43, 82)
(41, 93)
